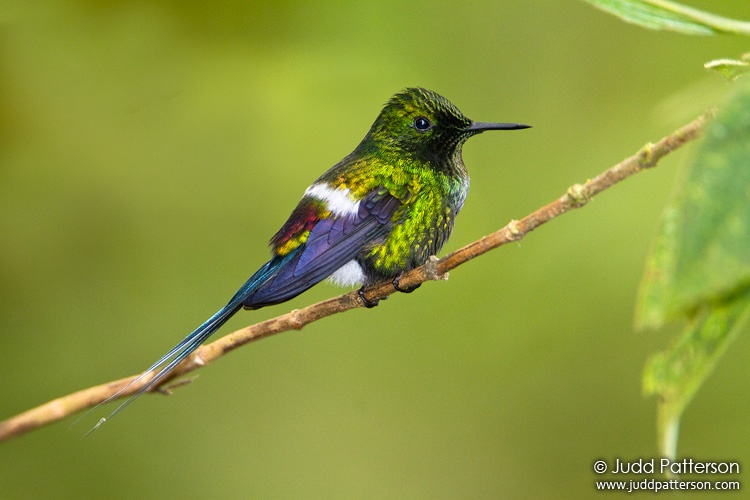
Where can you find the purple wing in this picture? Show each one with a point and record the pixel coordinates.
(331, 243)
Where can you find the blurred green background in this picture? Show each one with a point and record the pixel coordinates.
(149, 149)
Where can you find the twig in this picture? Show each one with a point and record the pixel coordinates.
(575, 197)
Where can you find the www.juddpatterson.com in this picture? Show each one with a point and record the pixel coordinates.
(656, 485)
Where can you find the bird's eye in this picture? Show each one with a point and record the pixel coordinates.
(421, 123)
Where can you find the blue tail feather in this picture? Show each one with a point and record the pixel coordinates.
(189, 344)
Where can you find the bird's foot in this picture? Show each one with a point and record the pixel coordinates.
(403, 289)
(365, 301)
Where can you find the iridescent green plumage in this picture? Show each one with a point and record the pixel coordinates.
(423, 169)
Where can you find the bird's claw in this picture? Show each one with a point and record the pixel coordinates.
(403, 289)
(365, 301)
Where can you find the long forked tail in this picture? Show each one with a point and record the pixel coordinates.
(166, 363)
(189, 344)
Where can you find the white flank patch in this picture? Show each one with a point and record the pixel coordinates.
(338, 201)
(350, 274)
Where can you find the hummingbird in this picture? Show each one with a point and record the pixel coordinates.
(382, 210)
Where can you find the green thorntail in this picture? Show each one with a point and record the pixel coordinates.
(382, 210)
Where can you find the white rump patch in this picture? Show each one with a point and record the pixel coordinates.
(350, 274)
(338, 201)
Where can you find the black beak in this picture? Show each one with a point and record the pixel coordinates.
(478, 127)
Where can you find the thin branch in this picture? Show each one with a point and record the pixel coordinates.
(575, 197)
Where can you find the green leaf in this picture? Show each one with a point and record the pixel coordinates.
(667, 15)
(702, 250)
(676, 374)
(699, 268)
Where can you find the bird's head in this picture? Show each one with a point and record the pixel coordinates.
(424, 125)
